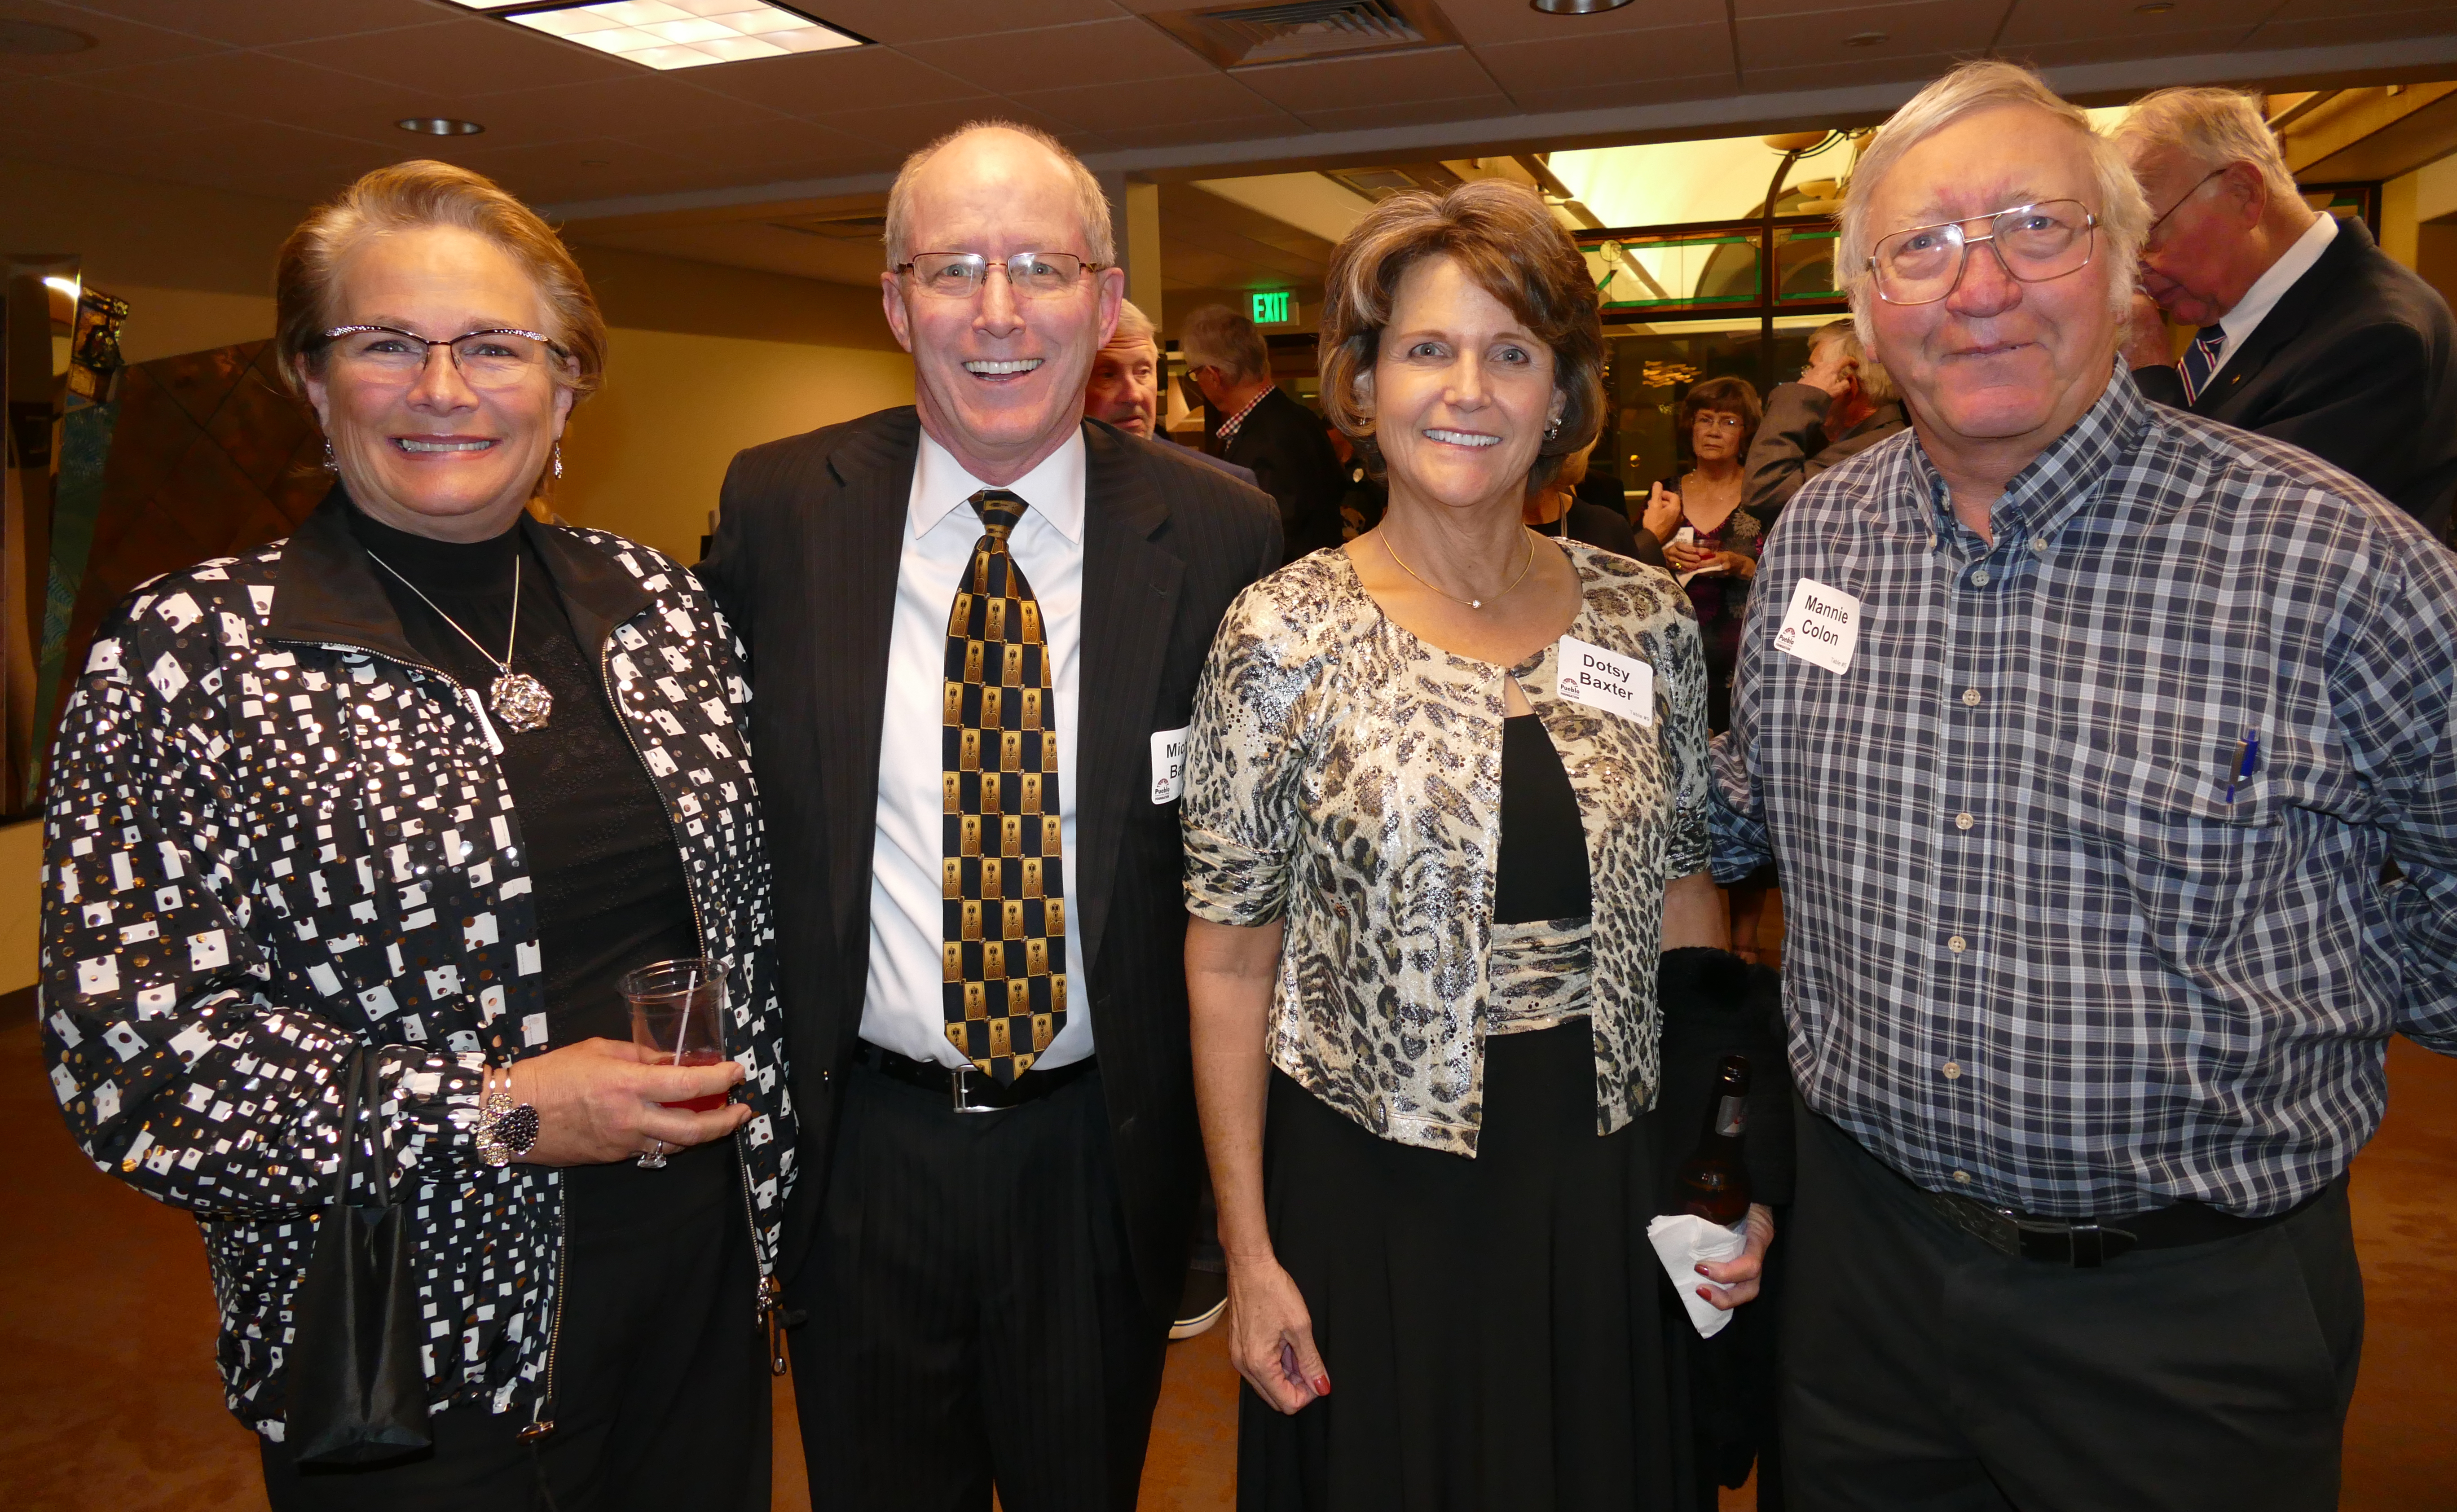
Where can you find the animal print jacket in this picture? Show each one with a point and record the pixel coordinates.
(275, 835)
(1347, 777)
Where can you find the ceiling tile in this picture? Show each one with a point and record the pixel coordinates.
(65, 109)
(257, 23)
(461, 54)
(587, 169)
(1919, 29)
(1434, 74)
(824, 83)
(249, 83)
(1631, 58)
(609, 108)
(118, 42)
(2035, 21)
(1058, 57)
(903, 128)
(2119, 50)
(2291, 31)
(1157, 102)
(1516, 21)
(1620, 96)
(900, 20)
(2315, 10)
(1246, 129)
(779, 140)
(1415, 112)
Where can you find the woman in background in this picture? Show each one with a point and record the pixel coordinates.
(1719, 417)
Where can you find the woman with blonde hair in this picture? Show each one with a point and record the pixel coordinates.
(353, 837)
(1434, 878)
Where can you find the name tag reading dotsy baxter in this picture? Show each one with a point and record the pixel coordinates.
(1822, 626)
(1606, 679)
(1168, 765)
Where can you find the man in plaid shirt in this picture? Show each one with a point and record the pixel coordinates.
(2108, 755)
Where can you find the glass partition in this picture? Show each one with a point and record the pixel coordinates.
(1650, 368)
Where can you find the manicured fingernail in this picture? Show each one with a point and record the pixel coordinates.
(1322, 1385)
(1702, 1270)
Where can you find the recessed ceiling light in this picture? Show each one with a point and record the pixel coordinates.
(438, 126)
(33, 38)
(1577, 7)
(675, 33)
(1866, 39)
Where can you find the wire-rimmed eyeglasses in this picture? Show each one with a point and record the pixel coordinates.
(2033, 243)
(2150, 237)
(1029, 275)
(500, 356)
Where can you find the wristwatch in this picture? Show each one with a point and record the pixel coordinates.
(505, 1130)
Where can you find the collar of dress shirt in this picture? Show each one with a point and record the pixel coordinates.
(1054, 490)
(2040, 498)
(2270, 287)
(1229, 427)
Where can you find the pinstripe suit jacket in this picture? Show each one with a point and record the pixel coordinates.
(805, 563)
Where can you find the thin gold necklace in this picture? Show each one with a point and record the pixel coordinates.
(1472, 603)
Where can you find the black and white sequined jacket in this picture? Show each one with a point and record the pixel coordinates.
(275, 834)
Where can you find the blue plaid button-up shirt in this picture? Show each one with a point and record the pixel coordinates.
(2036, 954)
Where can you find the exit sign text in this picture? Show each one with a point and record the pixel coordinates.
(1273, 307)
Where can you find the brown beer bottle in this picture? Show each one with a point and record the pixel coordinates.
(1714, 1181)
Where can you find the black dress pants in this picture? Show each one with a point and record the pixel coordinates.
(1923, 1371)
(974, 1317)
(663, 1398)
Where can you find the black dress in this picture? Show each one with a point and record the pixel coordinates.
(661, 1379)
(1491, 1327)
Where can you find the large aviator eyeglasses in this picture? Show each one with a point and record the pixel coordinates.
(501, 357)
(2033, 243)
(964, 274)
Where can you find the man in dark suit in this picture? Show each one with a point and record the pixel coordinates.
(2306, 331)
(976, 628)
(1260, 427)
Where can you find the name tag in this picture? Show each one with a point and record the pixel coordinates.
(1168, 765)
(1822, 626)
(1606, 679)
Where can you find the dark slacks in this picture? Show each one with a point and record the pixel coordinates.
(972, 1313)
(662, 1390)
(1925, 1371)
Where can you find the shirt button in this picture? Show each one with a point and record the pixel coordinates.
(1971, 696)
(1963, 1177)
(2039, 545)
(1980, 578)
(1952, 1069)
(1963, 821)
(1957, 945)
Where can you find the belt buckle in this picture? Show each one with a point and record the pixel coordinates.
(960, 1087)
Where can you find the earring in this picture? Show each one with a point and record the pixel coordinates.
(558, 456)
(1553, 432)
(330, 465)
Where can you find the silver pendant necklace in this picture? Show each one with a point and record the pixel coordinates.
(519, 700)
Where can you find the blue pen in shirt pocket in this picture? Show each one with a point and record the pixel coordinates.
(2247, 757)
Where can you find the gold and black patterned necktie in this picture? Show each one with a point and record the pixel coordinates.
(1004, 888)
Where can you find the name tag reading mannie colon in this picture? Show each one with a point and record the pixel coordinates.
(1606, 679)
(1821, 626)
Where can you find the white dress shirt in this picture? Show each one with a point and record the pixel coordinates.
(2270, 287)
(904, 1007)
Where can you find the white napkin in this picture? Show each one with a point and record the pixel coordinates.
(1683, 1242)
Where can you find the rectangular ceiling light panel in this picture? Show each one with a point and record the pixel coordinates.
(682, 34)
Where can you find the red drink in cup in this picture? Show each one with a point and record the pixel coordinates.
(675, 1017)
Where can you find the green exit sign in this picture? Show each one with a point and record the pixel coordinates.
(1275, 308)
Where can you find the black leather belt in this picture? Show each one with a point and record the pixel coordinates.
(2087, 1243)
(965, 1089)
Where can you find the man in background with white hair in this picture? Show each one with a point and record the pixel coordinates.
(1287, 445)
(975, 626)
(2081, 728)
(1842, 404)
(2307, 332)
(1124, 388)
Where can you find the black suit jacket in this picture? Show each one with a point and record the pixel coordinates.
(805, 565)
(2357, 363)
(1290, 453)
